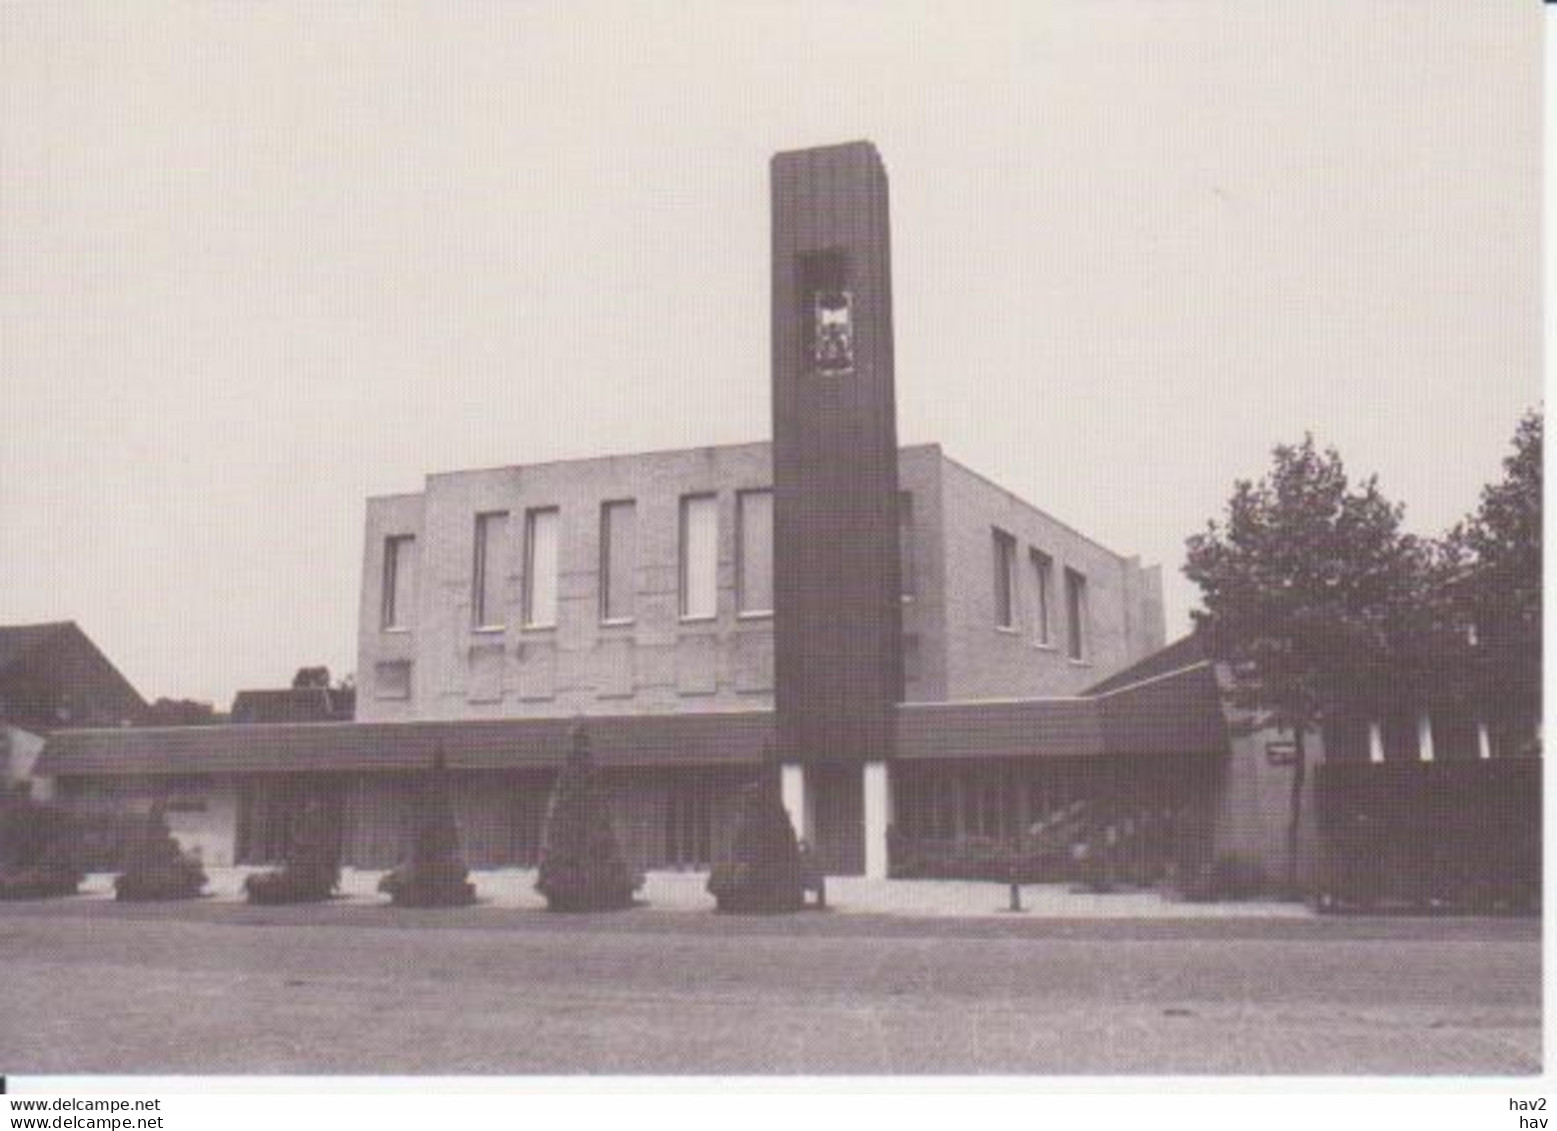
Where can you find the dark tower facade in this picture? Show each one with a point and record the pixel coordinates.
(837, 603)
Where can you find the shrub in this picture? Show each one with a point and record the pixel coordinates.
(40, 881)
(312, 870)
(765, 872)
(581, 864)
(37, 857)
(434, 875)
(155, 868)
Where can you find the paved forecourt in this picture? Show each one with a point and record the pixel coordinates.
(358, 988)
(688, 891)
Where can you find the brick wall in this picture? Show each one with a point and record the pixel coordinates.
(442, 667)
(580, 666)
(1124, 603)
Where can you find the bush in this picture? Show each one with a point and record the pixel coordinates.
(39, 881)
(312, 870)
(155, 868)
(581, 864)
(37, 857)
(765, 873)
(435, 873)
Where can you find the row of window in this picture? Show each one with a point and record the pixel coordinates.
(698, 556)
(1041, 568)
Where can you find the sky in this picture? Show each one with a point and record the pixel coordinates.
(259, 262)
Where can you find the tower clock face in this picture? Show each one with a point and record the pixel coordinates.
(833, 331)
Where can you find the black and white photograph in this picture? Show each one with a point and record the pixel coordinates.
(803, 541)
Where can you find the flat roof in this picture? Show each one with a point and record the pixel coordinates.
(1177, 712)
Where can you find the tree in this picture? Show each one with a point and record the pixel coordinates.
(1496, 588)
(155, 867)
(313, 866)
(1311, 591)
(435, 873)
(582, 868)
(765, 871)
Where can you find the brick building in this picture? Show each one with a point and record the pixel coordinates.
(933, 663)
(644, 584)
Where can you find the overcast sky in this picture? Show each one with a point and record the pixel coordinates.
(260, 261)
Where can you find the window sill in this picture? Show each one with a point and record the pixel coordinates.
(489, 629)
(711, 619)
(755, 614)
(1008, 630)
(396, 630)
(618, 622)
(552, 627)
(1040, 646)
(1075, 663)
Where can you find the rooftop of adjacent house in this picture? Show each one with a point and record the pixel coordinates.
(294, 705)
(17, 641)
(58, 676)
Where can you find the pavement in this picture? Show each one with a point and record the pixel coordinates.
(849, 895)
(357, 987)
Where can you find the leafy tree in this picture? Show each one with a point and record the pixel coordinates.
(1311, 594)
(582, 868)
(1495, 592)
(435, 874)
(765, 871)
(155, 867)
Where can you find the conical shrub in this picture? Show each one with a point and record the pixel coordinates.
(312, 870)
(764, 873)
(582, 868)
(155, 867)
(434, 874)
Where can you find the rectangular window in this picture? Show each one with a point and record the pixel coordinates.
(824, 283)
(618, 561)
(1005, 580)
(489, 570)
(909, 577)
(754, 571)
(689, 824)
(399, 580)
(1075, 614)
(540, 568)
(699, 557)
(1043, 584)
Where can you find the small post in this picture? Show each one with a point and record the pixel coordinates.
(1016, 887)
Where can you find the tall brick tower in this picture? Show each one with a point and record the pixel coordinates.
(837, 605)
